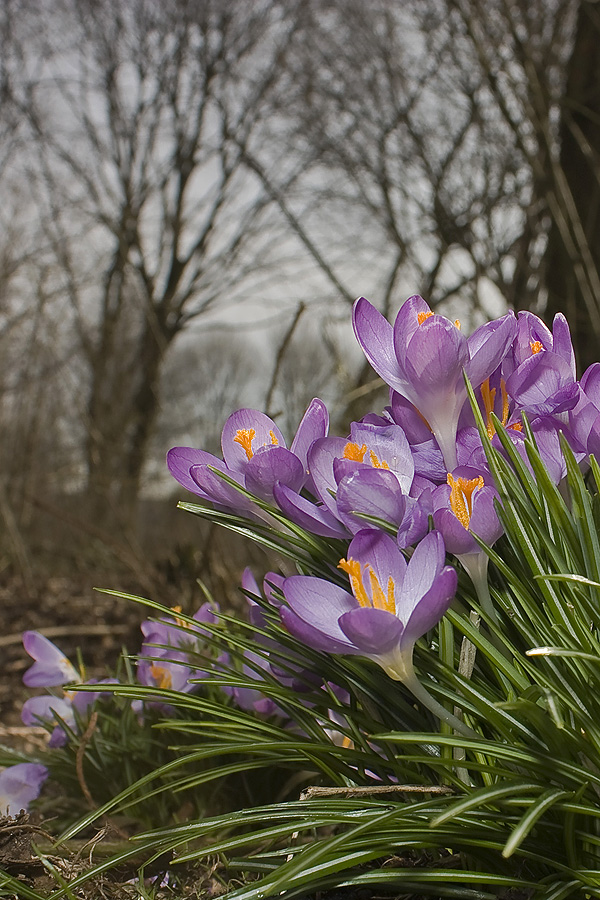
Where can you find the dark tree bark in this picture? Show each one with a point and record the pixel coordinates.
(573, 253)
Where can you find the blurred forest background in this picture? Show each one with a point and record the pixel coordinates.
(195, 191)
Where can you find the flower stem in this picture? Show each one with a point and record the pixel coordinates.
(476, 567)
(423, 696)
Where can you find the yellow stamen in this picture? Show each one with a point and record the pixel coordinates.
(488, 395)
(422, 316)
(461, 497)
(516, 426)
(536, 346)
(376, 462)
(352, 567)
(274, 440)
(244, 437)
(178, 621)
(504, 401)
(457, 323)
(353, 451)
(380, 601)
(162, 677)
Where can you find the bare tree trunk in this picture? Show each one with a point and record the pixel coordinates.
(580, 163)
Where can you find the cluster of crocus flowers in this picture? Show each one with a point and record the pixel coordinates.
(417, 465)
(171, 646)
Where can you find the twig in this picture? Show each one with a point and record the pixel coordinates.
(367, 791)
(376, 790)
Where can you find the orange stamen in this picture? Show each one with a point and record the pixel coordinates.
(380, 600)
(353, 451)
(516, 426)
(352, 567)
(536, 346)
(376, 462)
(457, 323)
(422, 316)
(488, 395)
(162, 677)
(461, 497)
(244, 437)
(274, 440)
(504, 401)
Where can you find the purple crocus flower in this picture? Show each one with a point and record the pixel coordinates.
(369, 473)
(255, 456)
(463, 506)
(51, 666)
(392, 603)
(423, 357)
(37, 710)
(19, 785)
(47, 708)
(533, 336)
(175, 632)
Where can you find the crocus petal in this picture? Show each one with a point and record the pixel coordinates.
(543, 384)
(422, 570)
(370, 492)
(380, 552)
(590, 383)
(244, 432)
(387, 448)
(270, 466)
(530, 329)
(561, 341)
(319, 603)
(409, 419)
(484, 519)
(51, 666)
(431, 607)
(415, 524)
(36, 708)
(457, 538)
(217, 490)
(249, 582)
(321, 457)
(181, 459)
(316, 519)
(314, 425)
(376, 337)
(407, 322)
(373, 631)
(435, 359)
(19, 785)
(312, 637)
(488, 345)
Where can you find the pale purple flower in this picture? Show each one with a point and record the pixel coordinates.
(465, 506)
(176, 632)
(50, 709)
(51, 666)
(19, 785)
(533, 336)
(37, 710)
(392, 603)
(423, 357)
(370, 473)
(255, 456)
